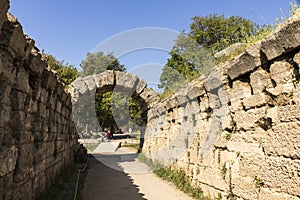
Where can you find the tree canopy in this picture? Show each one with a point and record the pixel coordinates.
(98, 62)
(113, 108)
(110, 107)
(215, 32)
(193, 52)
(66, 72)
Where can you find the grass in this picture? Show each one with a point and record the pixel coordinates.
(63, 187)
(259, 182)
(175, 176)
(149, 162)
(224, 170)
(261, 34)
(91, 147)
(134, 146)
(227, 136)
(181, 181)
(250, 40)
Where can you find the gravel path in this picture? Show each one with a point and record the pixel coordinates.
(120, 176)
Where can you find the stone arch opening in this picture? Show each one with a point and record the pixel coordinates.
(83, 92)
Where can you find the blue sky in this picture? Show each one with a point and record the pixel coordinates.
(69, 29)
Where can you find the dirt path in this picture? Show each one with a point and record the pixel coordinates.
(119, 176)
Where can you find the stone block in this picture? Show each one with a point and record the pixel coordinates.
(150, 97)
(12, 37)
(282, 72)
(17, 124)
(239, 90)
(171, 102)
(44, 96)
(18, 41)
(267, 194)
(256, 100)
(260, 80)
(140, 86)
(251, 137)
(181, 98)
(126, 81)
(241, 65)
(227, 157)
(289, 113)
(90, 82)
(247, 119)
(286, 38)
(231, 50)
(35, 63)
(244, 187)
(286, 89)
(80, 86)
(17, 99)
(283, 140)
(297, 58)
(107, 78)
(244, 147)
(8, 159)
(214, 101)
(22, 84)
(204, 104)
(212, 177)
(29, 46)
(5, 90)
(58, 106)
(3, 10)
(192, 108)
(236, 105)
(226, 121)
(273, 114)
(281, 174)
(195, 92)
(214, 79)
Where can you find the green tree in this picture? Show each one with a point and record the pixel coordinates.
(215, 32)
(188, 60)
(98, 62)
(66, 72)
(192, 53)
(171, 80)
(112, 108)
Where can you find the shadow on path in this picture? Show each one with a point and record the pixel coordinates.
(107, 183)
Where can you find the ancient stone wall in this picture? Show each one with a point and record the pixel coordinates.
(236, 131)
(37, 134)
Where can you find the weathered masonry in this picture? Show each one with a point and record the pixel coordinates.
(236, 131)
(37, 133)
(83, 91)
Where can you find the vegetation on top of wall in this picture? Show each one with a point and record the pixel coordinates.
(66, 72)
(207, 36)
(192, 54)
(293, 7)
(98, 62)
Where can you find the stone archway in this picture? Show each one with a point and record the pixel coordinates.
(109, 80)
